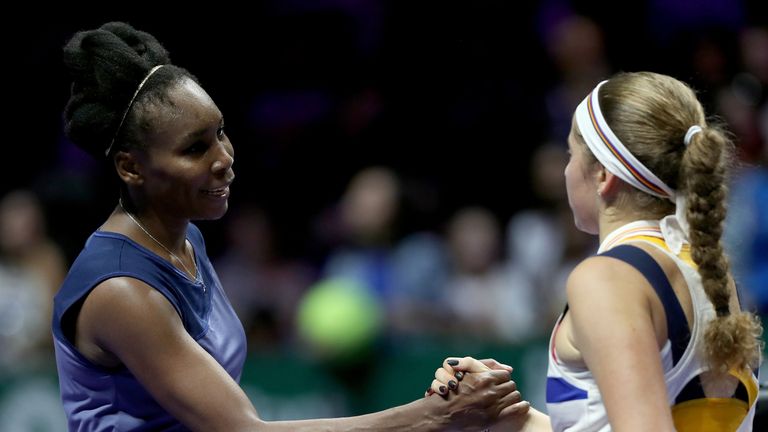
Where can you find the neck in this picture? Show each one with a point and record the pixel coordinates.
(610, 221)
(171, 235)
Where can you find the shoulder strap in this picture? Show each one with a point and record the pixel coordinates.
(677, 327)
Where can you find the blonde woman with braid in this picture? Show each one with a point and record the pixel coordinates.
(653, 337)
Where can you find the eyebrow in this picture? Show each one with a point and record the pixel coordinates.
(200, 132)
(195, 135)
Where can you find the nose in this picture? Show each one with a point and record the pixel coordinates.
(225, 157)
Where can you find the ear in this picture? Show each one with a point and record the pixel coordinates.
(128, 168)
(607, 183)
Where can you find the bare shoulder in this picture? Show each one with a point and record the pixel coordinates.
(599, 273)
(122, 298)
(604, 282)
(119, 312)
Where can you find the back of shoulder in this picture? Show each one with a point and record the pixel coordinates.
(99, 258)
(601, 275)
(597, 268)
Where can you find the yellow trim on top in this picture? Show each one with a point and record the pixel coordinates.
(750, 383)
(685, 251)
(709, 415)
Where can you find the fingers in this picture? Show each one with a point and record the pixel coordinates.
(516, 409)
(507, 393)
(499, 376)
(444, 381)
(439, 387)
(505, 387)
(497, 381)
(493, 364)
(510, 401)
(455, 370)
(466, 364)
(446, 378)
(483, 398)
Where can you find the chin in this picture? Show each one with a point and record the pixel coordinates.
(221, 212)
(214, 213)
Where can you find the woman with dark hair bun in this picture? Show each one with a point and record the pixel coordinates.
(144, 337)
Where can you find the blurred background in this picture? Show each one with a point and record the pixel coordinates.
(399, 194)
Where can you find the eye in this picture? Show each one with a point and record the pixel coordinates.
(196, 148)
(220, 134)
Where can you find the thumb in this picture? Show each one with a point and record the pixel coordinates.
(466, 364)
(493, 364)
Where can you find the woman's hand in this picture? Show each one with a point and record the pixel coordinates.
(453, 370)
(485, 395)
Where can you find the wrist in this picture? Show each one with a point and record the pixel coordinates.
(436, 411)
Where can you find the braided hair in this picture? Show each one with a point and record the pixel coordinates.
(651, 114)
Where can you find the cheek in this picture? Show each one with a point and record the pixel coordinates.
(175, 177)
(568, 174)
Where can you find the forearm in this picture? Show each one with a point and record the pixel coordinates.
(421, 415)
(532, 421)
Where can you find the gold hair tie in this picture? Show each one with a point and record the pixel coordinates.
(130, 104)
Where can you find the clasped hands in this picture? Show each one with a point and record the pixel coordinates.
(487, 380)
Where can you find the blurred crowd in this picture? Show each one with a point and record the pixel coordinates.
(421, 258)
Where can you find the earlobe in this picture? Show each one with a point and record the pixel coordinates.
(606, 183)
(128, 168)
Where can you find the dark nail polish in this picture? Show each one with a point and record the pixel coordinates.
(453, 362)
(459, 375)
(452, 384)
(442, 389)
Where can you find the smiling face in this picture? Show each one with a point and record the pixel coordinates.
(185, 166)
(581, 183)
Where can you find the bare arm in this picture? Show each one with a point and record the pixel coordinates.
(427, 414)
(613, 329)
(136, 323)
(126, 319)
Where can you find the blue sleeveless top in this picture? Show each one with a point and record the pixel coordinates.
(99, 399)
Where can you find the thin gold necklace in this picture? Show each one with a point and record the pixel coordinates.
(173, 255)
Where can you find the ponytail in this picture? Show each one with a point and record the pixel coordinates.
(732, 339)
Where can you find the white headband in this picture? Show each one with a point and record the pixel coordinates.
(130, 104)
(610, 152)
(617, 159)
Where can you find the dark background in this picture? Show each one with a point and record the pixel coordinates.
(452, 95)
(449, 94)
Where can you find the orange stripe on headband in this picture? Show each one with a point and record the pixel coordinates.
(639, 177)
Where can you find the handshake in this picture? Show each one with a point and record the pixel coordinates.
(477, 393)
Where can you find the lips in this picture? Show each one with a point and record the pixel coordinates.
(222, 191)
(217, 192)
